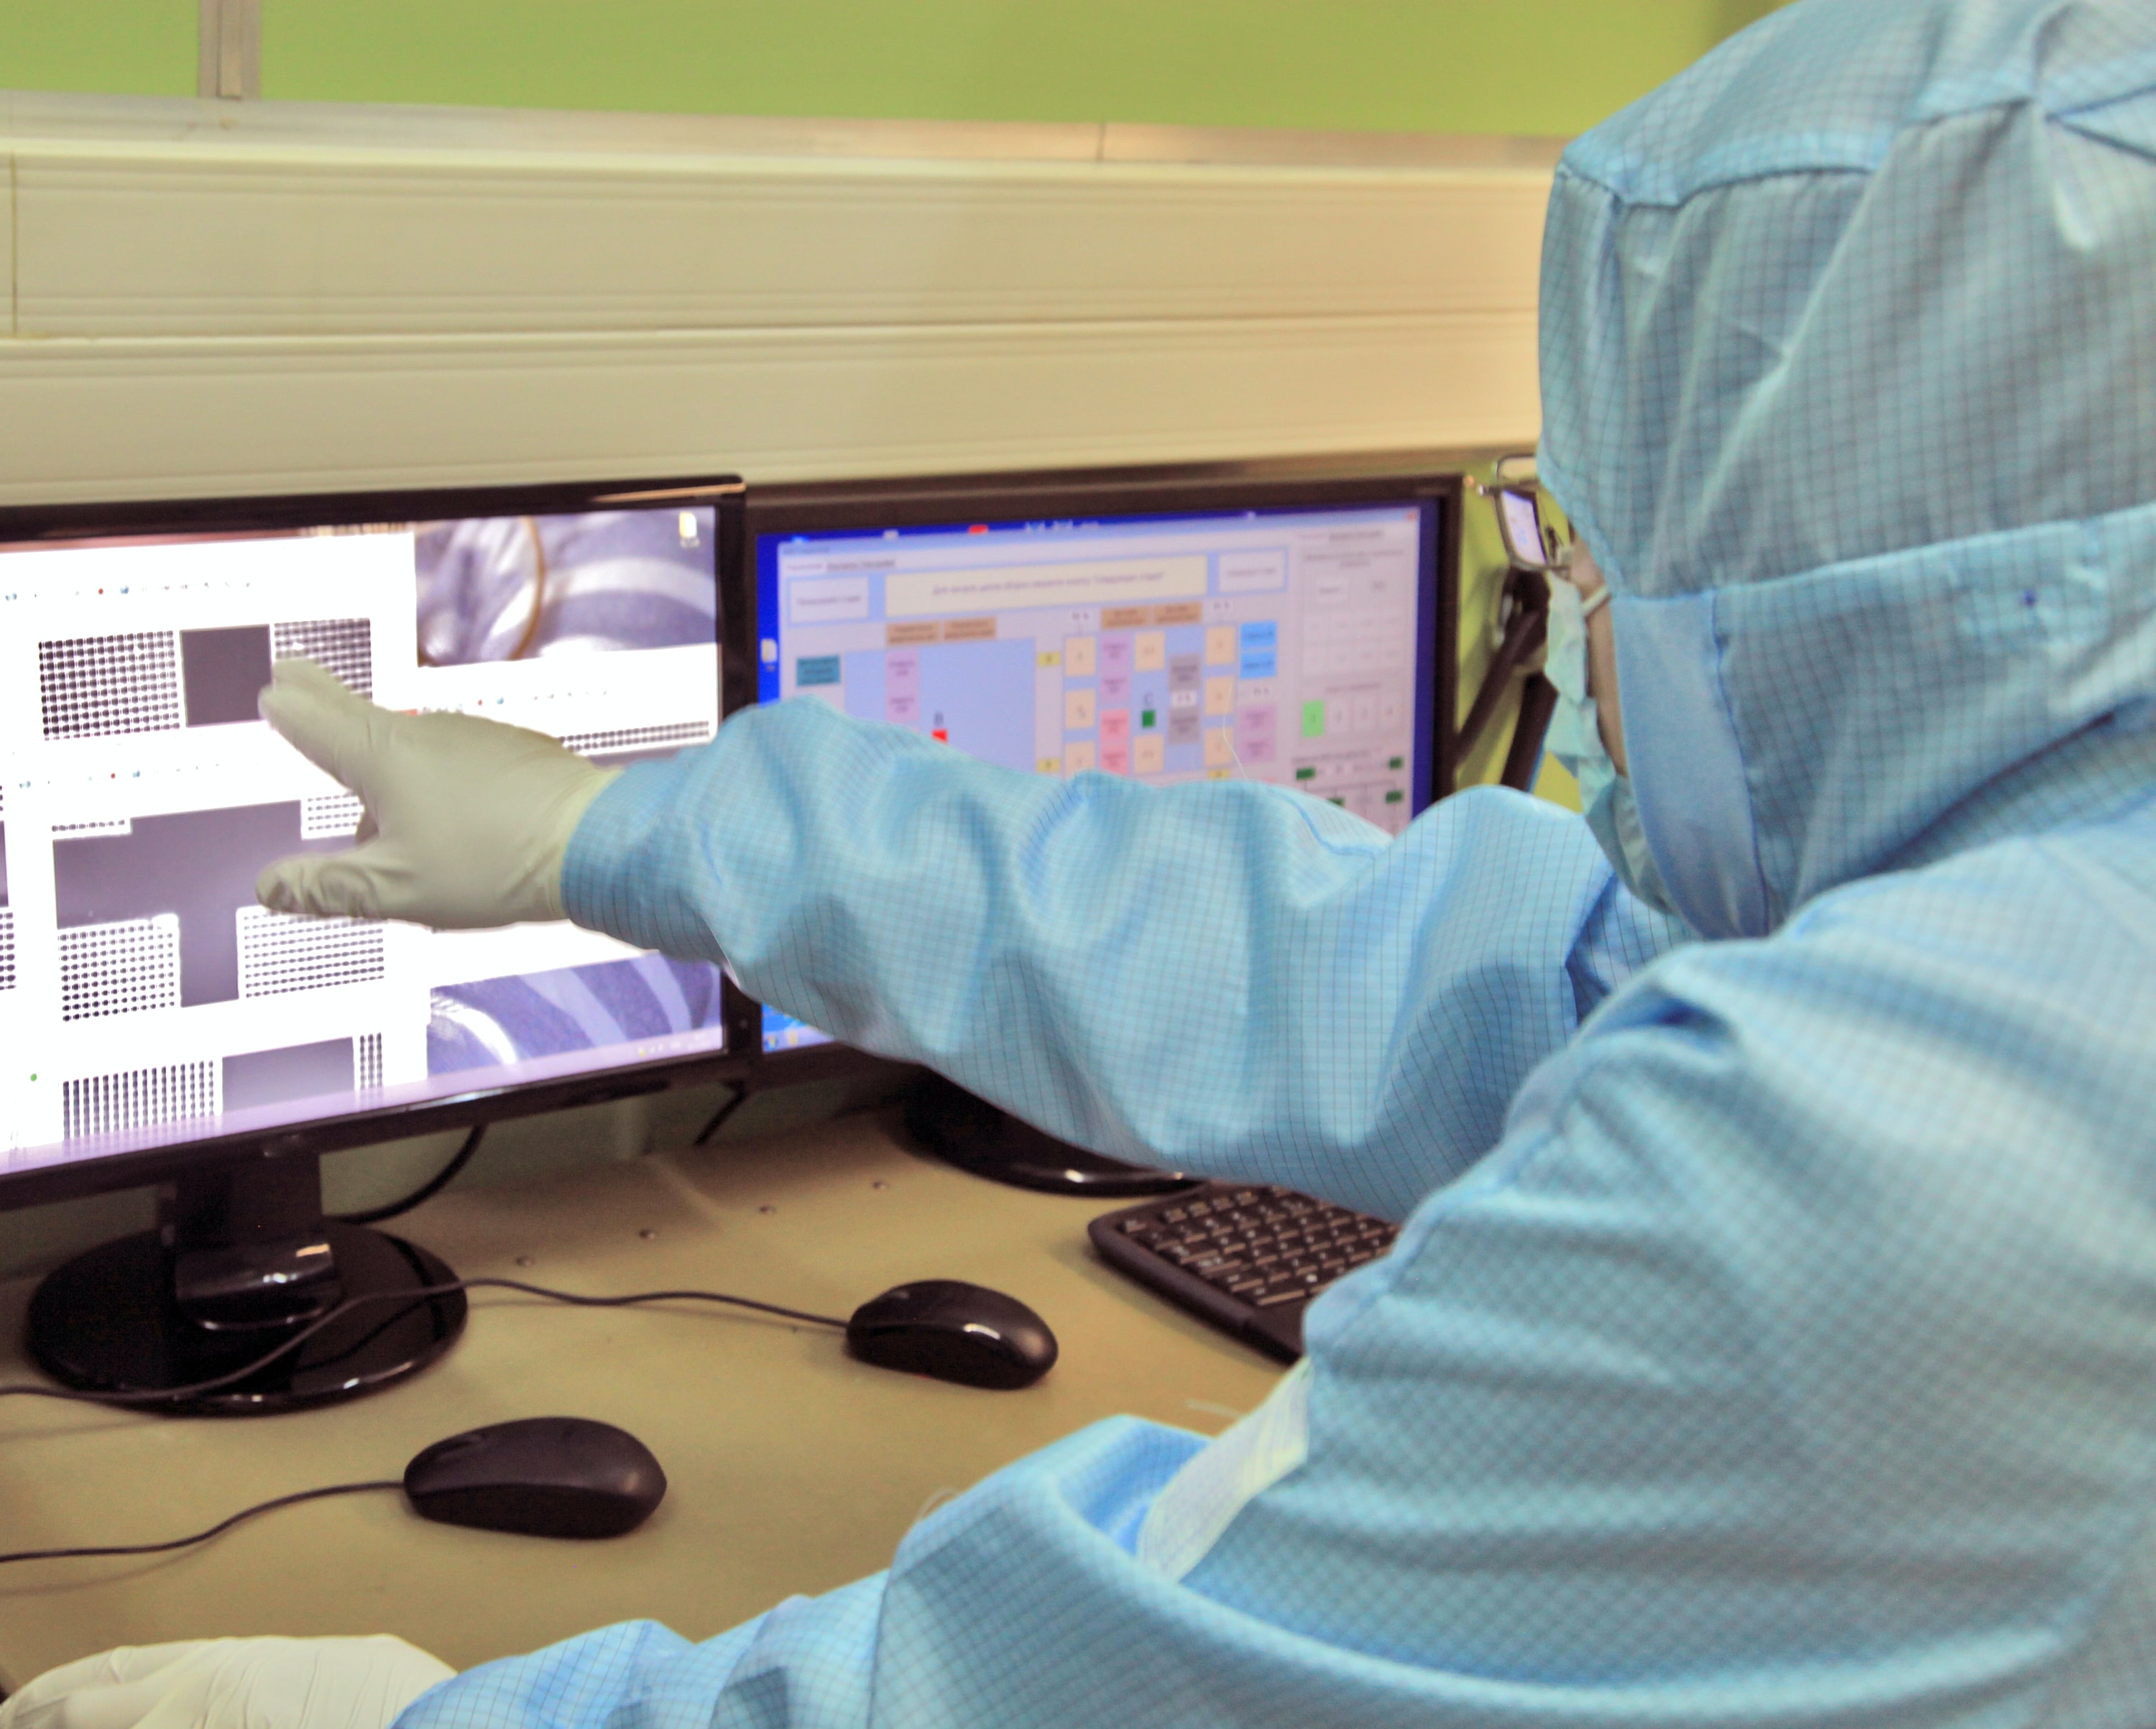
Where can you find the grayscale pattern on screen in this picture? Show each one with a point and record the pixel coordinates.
(283, 951)
(344, 646)
(119, 968)
(138, 1098)
(627, 738)
(369, 1075)
(98, 686)
(7, 948)
(329, 815)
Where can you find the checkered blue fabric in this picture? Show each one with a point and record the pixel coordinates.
(1849, 366)
(1772, 1339)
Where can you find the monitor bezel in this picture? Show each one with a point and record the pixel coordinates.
(906, 502)
(90, 522)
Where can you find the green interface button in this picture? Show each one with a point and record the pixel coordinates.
(1306, 774)
(1396, 797)
(1313, 718)
(1398, 762)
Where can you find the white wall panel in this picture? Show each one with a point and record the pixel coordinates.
(8, 244)
(133, 416)
(216, 296)
(124, 243)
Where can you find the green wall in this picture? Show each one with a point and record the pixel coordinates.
(138, 47)
(1525, 66)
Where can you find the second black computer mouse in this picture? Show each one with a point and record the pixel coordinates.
(542, 1477)
(954, 1331)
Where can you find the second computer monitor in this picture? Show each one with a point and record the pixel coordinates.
(1295, 629)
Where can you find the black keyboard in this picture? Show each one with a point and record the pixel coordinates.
(1246, 1257)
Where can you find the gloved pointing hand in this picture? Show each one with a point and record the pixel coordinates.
(232, 1684)
(466, 819)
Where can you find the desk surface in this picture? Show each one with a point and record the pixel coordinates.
(792, 1468)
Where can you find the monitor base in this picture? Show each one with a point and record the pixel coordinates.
(946, 1119)
(110, 1322)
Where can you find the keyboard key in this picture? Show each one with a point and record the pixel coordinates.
(1261, 1246)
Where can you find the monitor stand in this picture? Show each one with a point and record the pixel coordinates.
(241, 1257)
(971, 1134)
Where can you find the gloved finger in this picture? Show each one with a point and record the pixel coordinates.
(234, 1684)
(313, 712)
(56, 1684)
(122, 1706)
(348, 885)
(116, 1690)
(128, 1663)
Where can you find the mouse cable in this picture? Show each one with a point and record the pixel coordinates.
(203, 1536)
(718, 1120)
(425, 1192)
(418, 1293)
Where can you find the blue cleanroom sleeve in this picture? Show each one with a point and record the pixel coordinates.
(1222, 978)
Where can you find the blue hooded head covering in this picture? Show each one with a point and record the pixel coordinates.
(1849, 383)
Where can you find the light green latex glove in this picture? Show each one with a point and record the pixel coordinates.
(232, 1684)
(466, 819)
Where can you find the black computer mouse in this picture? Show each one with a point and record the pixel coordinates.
(955, 1332)
(543, 1476)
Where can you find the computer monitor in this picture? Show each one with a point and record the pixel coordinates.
(162, 1027)
(1293, 623)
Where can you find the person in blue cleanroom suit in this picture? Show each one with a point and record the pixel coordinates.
(1772, 1339)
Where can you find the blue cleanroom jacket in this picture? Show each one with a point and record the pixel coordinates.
(1772, 1339)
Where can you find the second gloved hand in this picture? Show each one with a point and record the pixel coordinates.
(467, 820)
(232, 1684)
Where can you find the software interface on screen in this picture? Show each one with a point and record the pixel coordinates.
(1290, 646)
(144, 997)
